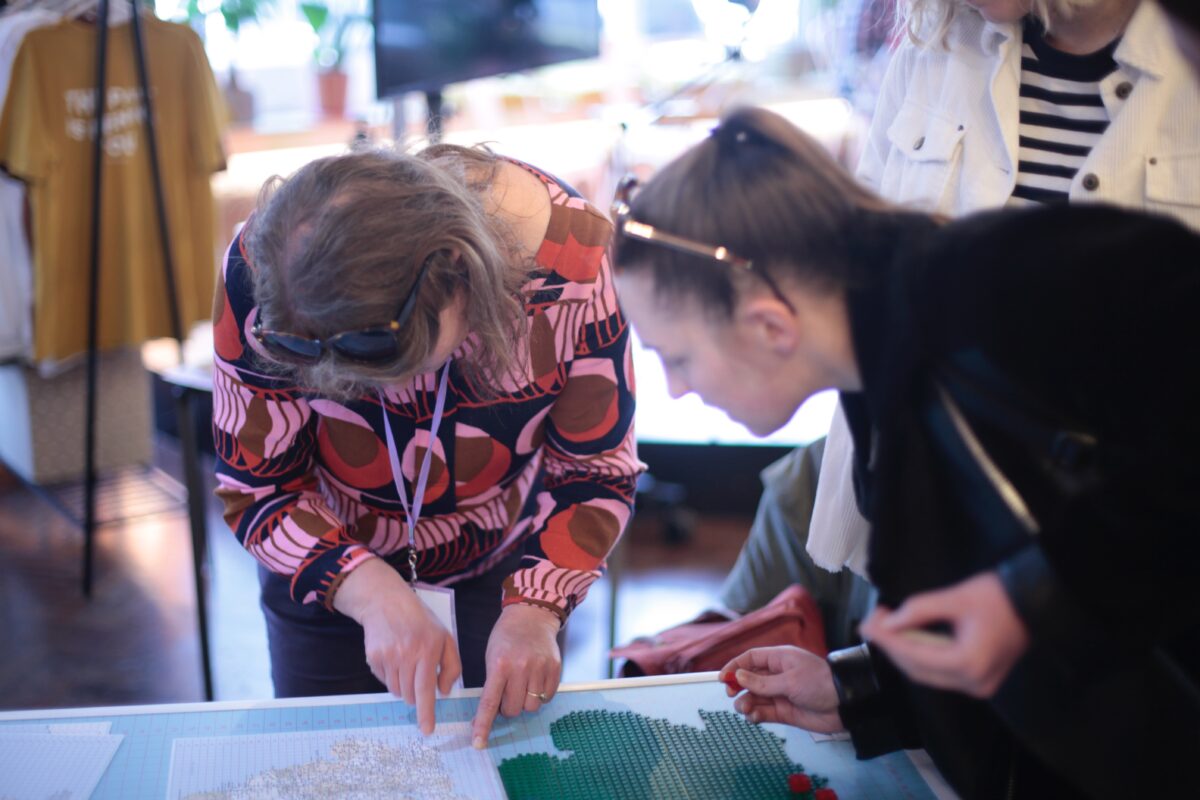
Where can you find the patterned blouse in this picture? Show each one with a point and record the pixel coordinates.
(307, 484)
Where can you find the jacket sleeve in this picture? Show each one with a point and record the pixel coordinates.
(590, 457)
(869, 702)
(1113, 567)
(773, 555)
(1112, 574)
(264, 432)
(892, 92)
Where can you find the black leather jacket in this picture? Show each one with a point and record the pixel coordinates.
(1056, 351)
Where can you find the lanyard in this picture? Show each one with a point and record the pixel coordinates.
(413, 511)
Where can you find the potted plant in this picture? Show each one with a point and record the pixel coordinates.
(334, 27)
(234, 13)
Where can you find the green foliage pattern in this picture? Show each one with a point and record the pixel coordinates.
(627, 756)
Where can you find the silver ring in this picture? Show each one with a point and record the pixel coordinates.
(539, 695)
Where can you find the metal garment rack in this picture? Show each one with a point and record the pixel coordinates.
(183, 398)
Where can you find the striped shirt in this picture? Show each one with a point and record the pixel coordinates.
(1062, 116)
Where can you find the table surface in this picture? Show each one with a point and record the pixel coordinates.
(642, 732)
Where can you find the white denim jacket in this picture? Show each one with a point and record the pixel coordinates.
(944, 139)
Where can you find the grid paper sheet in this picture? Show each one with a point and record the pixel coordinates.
(363, 762)
(36, 766)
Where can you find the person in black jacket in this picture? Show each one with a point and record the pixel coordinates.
(1022, 388)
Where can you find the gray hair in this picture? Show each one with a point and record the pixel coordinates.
(337, 247)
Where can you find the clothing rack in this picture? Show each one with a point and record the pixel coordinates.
(183, 398)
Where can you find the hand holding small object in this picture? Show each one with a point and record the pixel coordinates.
(784, 684)
(985, 639)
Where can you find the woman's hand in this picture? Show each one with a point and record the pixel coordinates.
(785, 684)
(986, 640)
(408, 650)
(523, 662)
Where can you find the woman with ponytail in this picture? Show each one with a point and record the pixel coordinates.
(1019, 386)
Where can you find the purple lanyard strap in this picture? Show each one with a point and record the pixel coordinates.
(413, 511)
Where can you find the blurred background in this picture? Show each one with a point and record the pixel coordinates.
(586, 89)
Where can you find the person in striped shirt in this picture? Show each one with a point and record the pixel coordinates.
(1062, 114)
(422, 375)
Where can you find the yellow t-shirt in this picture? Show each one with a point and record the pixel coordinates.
(46, 140)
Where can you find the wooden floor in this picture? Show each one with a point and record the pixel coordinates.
(134, 640)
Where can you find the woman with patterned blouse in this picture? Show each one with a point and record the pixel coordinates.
(422, 375)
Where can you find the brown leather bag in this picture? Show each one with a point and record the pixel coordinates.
(711, 640)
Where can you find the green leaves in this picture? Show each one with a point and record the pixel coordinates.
(235, 12)
(333, 29)
(317, 15)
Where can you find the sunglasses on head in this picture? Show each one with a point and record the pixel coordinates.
(626, 225)
(378, 345)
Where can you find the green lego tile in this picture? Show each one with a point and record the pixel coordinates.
(628, 756)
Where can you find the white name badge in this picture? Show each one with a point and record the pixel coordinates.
(440, 600)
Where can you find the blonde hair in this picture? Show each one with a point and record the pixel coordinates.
(338, 245)
(928, 21)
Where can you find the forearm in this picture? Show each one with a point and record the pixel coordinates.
(590, 463)
(366, 590)
(585, 505)
(579, 522)
(292, 533)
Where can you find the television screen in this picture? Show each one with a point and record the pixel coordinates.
(423, 45)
